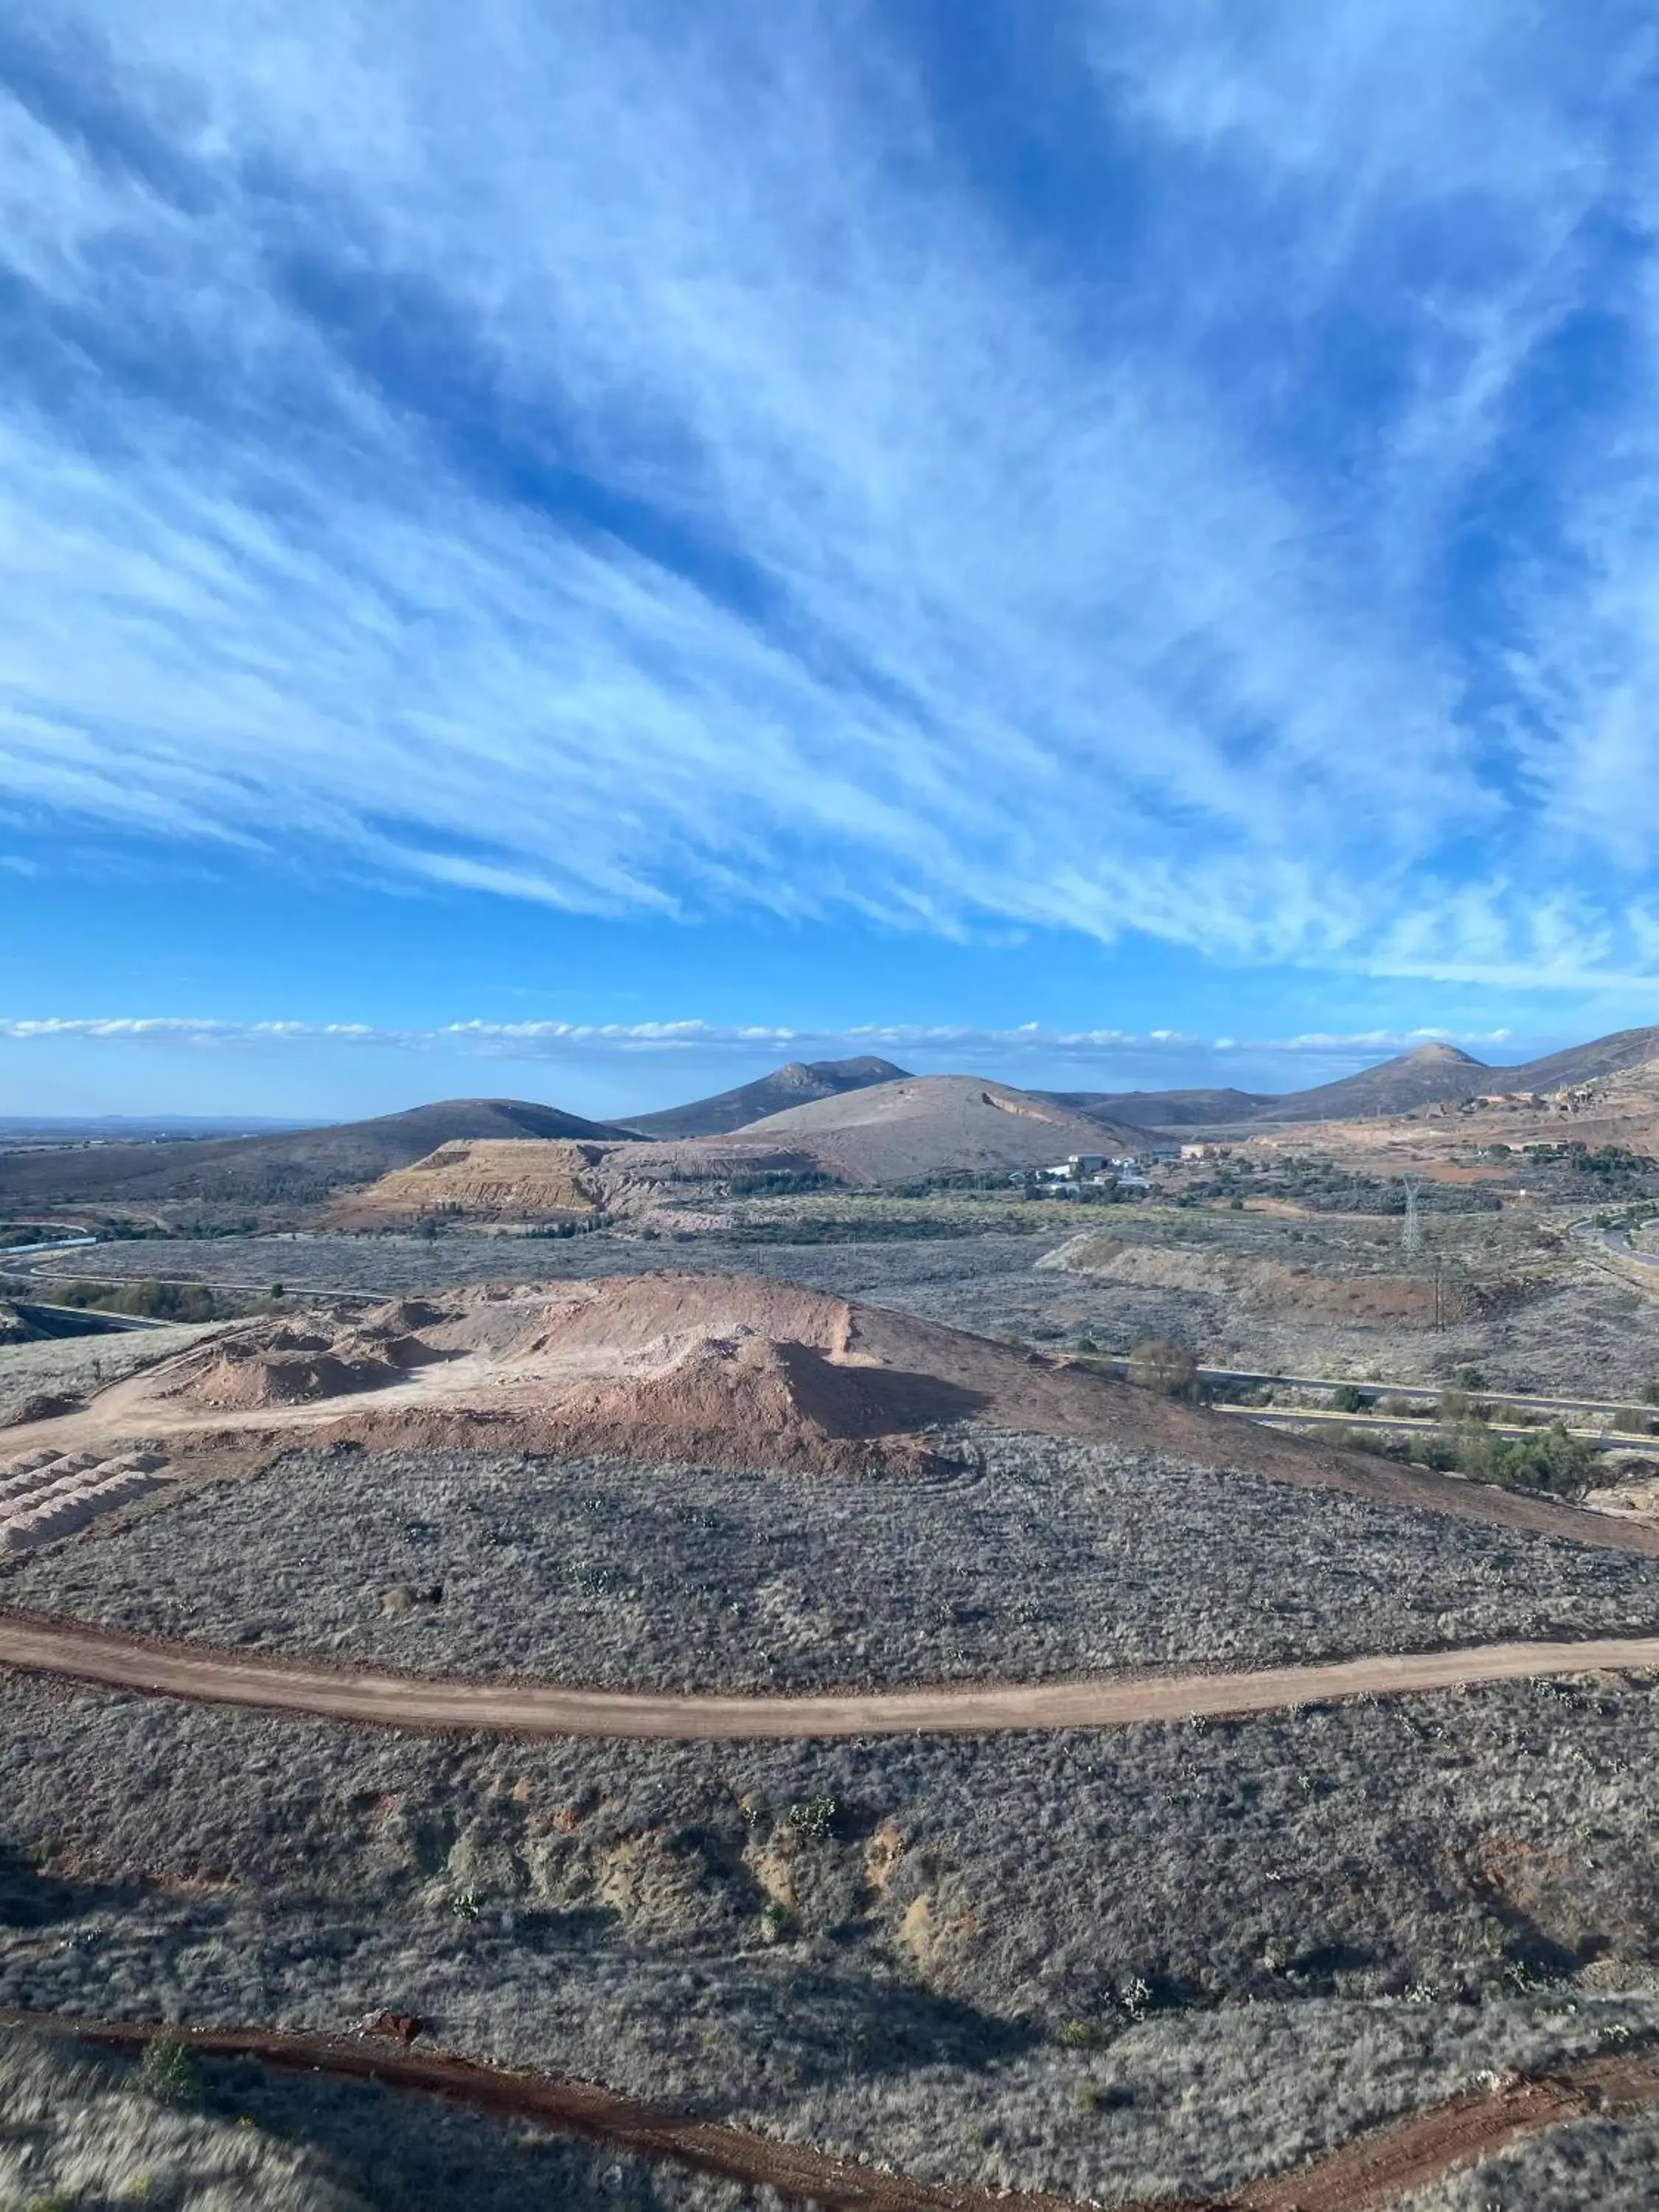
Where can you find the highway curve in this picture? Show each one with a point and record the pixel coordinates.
(49, 1645)
(1362, 2176)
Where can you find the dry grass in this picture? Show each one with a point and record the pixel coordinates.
(80, 2133)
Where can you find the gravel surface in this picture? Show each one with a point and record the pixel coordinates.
(1037, 1558)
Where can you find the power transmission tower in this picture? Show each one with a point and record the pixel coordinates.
(1412, 1235)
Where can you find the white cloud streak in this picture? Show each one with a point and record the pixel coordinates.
(555, 1041)
(620, 459)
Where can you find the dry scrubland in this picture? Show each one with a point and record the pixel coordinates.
(1541, 1314)
(1163, 1958)
(1153, 1960)
(80, 2129)
(1033, 1559)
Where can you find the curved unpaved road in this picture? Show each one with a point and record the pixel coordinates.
(1375, 2169)
(582, 2108)
(48, 1644)
(1363, 2176)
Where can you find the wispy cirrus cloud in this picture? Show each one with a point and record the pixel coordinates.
(642, 460)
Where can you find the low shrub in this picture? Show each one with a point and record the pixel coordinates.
(1157, 1362)
(1552, 1459)
(170, 2072)
(813, 1820)
(147, 1301)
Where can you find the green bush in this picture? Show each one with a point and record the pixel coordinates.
(1552, 1459)
(170, 2072)
(150, 1301)
(1349, 1398)
(814, 1820)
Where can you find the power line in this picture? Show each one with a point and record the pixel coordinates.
(1412, 1235)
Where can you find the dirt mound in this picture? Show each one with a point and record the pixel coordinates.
(518, 1179)
(731, 1370)
(532, 1180)
(277, 1364)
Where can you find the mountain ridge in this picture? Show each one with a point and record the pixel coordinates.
(796, 1082)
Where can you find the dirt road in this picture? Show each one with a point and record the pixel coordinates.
(40, 1644)
(796, 2170)
(1363, 2176)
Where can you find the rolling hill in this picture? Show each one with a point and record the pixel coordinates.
(1165, 1109)
(295, 1166)
(799, 1084)
(1583, 1063)
(939, 1124)
(1419, 1078)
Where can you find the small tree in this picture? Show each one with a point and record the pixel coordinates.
(1157, 1362)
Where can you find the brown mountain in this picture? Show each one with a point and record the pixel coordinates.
(800, 1083)
(294, 1167)
(939, 1124)
(1165, 1109)
(1582, 1063)
(1419, 1078)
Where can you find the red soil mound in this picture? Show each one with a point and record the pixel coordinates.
(733, 1370)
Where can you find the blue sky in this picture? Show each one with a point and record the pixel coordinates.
(577, 547)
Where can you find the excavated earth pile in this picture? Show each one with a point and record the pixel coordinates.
(554, 1179)
(727, 1371)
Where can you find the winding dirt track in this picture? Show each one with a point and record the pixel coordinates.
(1378, 2168)
(46, 1644)
(1363, 2176)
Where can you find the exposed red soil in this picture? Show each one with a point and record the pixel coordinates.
(1380, 2167)
(580, 2108)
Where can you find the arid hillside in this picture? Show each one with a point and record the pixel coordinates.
(298, 1166)
(799, 1084)
(540, 1180)
(936, 1124)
